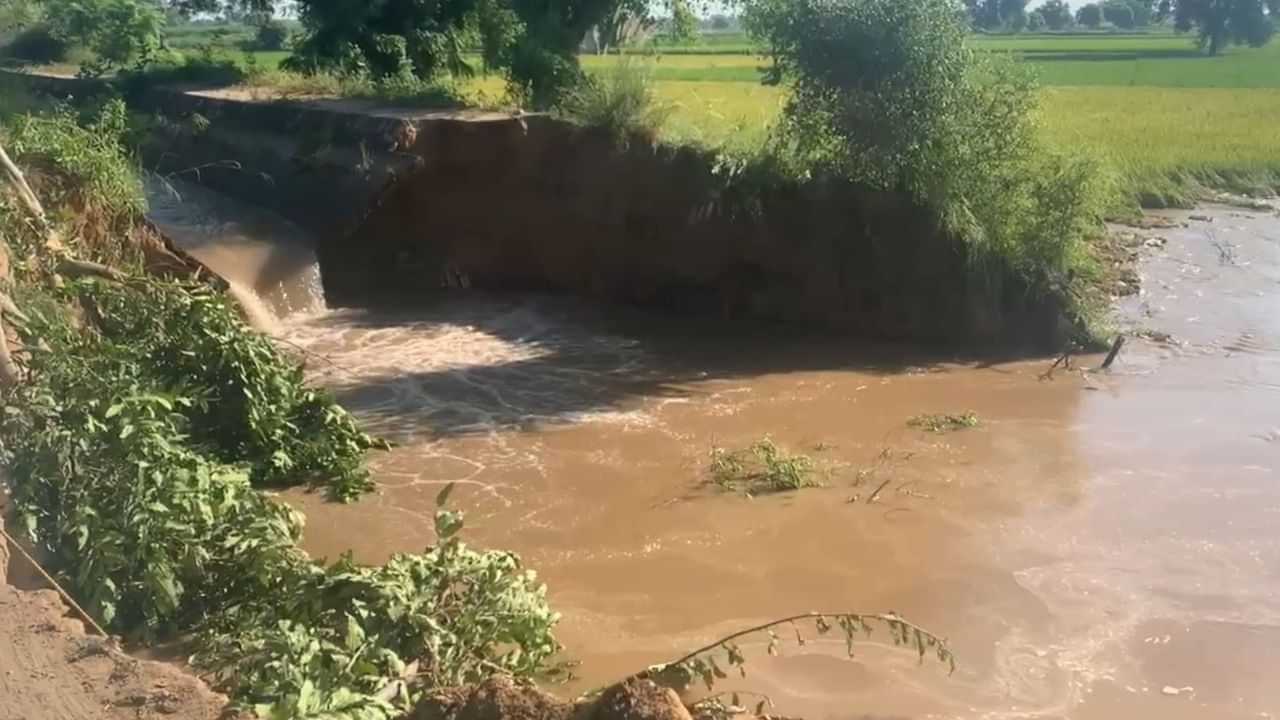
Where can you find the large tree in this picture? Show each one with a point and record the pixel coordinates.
(1090, 16)
(1119, 13)
(996, 14)
(390, 38)
(1057, 14)
(1219, 23)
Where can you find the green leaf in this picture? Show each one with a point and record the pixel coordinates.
(355, 634)
(443, 496)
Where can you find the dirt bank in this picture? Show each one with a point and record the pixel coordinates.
(408, 203)
(50, 668)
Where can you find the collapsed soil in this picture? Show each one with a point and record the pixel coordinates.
(51, 668)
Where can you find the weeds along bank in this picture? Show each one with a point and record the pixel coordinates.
(143, 424)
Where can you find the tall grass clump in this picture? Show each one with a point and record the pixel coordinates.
(889, 94)
(620, 101)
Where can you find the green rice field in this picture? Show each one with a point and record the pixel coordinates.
(1151, 109)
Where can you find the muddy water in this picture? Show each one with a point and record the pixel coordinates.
(1101, 541)
(268, 260)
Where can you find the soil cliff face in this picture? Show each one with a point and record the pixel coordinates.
(405, 203)
(538, 203)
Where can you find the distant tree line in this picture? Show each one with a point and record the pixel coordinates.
(534, 42)
(1216, 23)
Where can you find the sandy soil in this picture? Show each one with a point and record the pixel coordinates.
(51, 670)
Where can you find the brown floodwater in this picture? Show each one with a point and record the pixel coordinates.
(1103, 545)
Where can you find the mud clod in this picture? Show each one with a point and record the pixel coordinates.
(637, 699)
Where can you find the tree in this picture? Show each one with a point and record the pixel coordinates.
(997, 14)
(1090, 16)
(1118, 13)
(1013, 14)
(394, 38)
(1219, 23)
(684, 23)
(1143, 11)
(1057, 14)
(18, 14)
(1036, 21)
(983, 14)
(117, 31)
(889, 94)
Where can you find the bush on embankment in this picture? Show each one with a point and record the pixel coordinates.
(891, 95)
(141, 417)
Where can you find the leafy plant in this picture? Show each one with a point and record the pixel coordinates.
(134, 449)
(248, 402)
(91, 172)
(942, 423)
(346, 633)
(713, 662)
(761, 468)
(134, 432)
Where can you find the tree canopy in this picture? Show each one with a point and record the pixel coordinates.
(1219, 23)
(1089, 15)
(1057, 15)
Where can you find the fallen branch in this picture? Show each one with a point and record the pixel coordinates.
(1064, 360)
(9, 308)
(84, 268)
(9, 373)
(22, 189)
(1115, 350)
(875, 495)
(702, 664)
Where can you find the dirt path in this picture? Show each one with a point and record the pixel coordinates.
(51, 670)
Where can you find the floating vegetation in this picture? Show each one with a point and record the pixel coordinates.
(944, 423)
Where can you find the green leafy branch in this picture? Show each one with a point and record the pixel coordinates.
(702, 664)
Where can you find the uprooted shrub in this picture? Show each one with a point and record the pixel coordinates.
(141, 419)
(889, 94)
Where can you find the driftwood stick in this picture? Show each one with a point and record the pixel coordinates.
(84, 268)
(1115, 350)
(20, 186)
(9, 308)
(9, 373)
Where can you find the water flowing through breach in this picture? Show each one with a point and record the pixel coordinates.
(1102, 545)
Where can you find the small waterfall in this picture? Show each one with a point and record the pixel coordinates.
(256, 312)
(268, 261)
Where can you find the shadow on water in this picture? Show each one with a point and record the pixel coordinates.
(541, 361)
